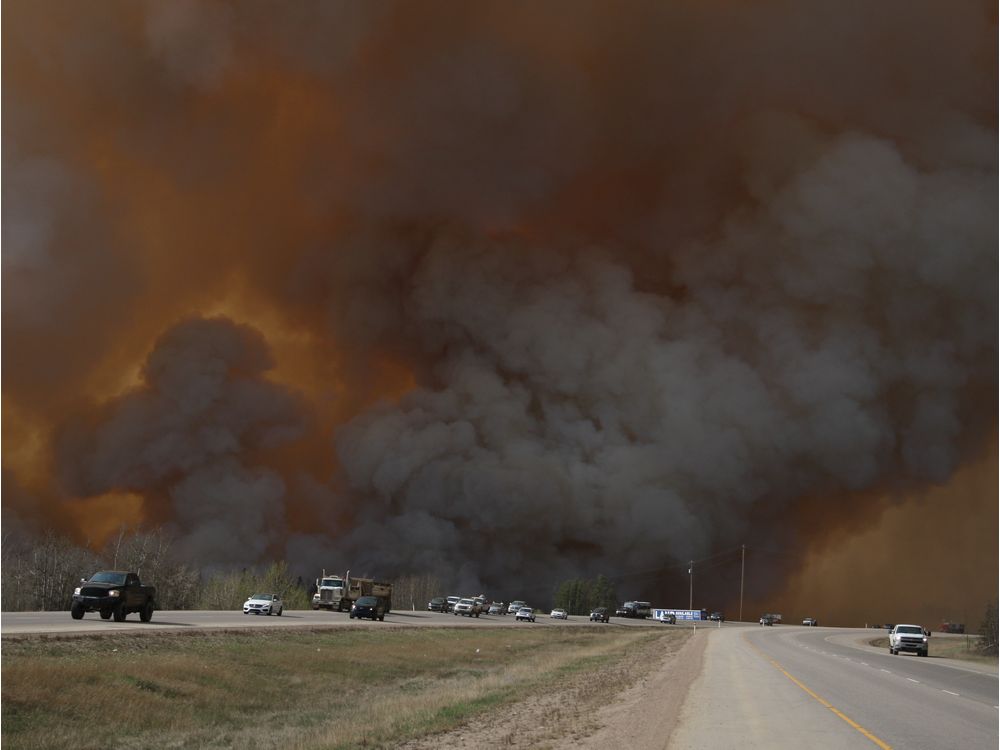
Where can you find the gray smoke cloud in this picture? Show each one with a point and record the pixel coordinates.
(823, 346)
(185, 439)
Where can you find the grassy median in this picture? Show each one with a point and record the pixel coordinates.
(366, 687)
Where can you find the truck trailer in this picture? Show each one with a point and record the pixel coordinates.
(336, 592)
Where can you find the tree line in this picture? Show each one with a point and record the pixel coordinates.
(579, 596)
(41, 574)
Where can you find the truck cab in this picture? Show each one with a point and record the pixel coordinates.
(911, 638)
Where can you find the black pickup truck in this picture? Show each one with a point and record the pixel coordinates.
(114, 593)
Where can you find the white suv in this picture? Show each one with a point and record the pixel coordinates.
(908, 638)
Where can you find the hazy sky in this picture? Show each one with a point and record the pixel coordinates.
(507, 290)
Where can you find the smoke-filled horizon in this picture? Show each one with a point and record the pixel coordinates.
(497, 292)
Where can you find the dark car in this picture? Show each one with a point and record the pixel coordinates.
(437, 604)
(717, 617)
(114, 593)
(372, 607)
(600, 614)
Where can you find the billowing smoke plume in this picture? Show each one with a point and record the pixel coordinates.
(187, 438)
(497, 290)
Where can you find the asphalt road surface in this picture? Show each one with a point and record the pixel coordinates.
(25, 623)
(790, 686)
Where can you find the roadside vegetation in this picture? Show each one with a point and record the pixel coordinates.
(328, 689)
(579, 596)
(41, 576)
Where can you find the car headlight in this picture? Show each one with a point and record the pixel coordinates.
(925, 639)
(76, 591)
(114, 592)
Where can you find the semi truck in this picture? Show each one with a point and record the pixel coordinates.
(339, 592)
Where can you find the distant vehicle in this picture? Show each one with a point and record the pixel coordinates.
(952, 627)
(514, 606)
(640, 610)
(113, 593)
(497, 608)
(717, 617)
(452, 601)
(810, 622)
(371, 607)
(600, 614)
(437, 604)
(767, 620)
(263, 604)
(908, 638)
(483, 602)
(337, 592)
(525, 613)
(667, 618)
(467, 608)
(559, 614)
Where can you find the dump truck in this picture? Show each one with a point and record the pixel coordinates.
(339, 592)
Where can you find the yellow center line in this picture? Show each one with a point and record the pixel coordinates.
(823, 702)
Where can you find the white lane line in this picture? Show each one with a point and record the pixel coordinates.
(864, 663)
(912, 680)
(950, 693)
(887, 671)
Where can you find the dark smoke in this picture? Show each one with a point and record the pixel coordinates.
(551, 291)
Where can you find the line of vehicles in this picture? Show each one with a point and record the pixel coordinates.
(119, 593)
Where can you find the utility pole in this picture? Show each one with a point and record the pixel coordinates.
(691, 587)
(743, 561)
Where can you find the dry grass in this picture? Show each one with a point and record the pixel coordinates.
(954, 647)
(328, 689)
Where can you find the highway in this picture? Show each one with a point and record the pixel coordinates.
(789, 686)
(759, 687)
(53, 623)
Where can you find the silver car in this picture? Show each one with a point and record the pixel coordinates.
(526, 614)
(263, 604)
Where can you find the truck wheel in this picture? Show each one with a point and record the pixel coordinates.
(477, 615)
(923, 653)
(382, 618)
(146, 613)
(105, 614)
(120, 613)
(76, 612)
(279, 612)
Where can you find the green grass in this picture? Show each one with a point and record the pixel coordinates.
(326, 689)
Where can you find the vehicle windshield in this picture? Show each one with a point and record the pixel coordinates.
(367, 601)
(465, 601)
(437, 600)
(117, 579)
(262, 597)
(525, 609)
(454, 598)
(333, 583)
(910, 629)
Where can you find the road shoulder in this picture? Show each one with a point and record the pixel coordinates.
(646, 714)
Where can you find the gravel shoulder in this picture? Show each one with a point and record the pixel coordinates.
(637, 700)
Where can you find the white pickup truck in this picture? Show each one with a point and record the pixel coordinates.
(908, 638)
